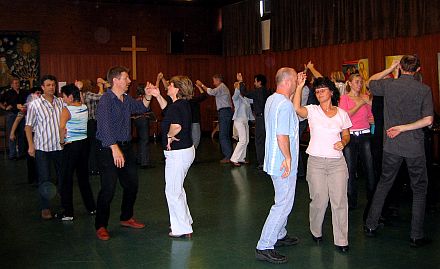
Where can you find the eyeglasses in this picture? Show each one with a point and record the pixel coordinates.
(321, 90)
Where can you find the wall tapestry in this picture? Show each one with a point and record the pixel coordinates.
(19, 57)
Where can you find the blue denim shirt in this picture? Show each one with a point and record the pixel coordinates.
(280, 119)
(113, 118)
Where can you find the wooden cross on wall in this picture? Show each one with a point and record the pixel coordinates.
(133, 50)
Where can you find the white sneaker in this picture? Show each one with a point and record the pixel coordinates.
(63, 217)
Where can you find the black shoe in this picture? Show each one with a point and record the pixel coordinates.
(370, 232)
(343, 249)
(287, 241)
(270, 255)
(415, 243)
(318, 239)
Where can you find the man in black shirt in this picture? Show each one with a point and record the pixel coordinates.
(195, 112)
(12, 101)
(259, 96)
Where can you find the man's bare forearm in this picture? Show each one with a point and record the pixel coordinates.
(284, 145)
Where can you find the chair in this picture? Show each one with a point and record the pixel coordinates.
(215, 128)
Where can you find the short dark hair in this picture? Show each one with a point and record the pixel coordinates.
(115, 72)
(261, 78)
(325, 82)
(48, 77)
(410, 63)
(71, 89)
(218, 76)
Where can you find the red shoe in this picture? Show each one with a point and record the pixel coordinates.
(132, 223)
(46, 214)
(102, 234)
(225, 161)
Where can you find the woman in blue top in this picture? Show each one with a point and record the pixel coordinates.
(241, 118)
(73, 137)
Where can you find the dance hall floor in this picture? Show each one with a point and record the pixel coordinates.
(229, 207)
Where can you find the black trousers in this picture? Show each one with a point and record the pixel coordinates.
(301, 167)
(75, 159)
(143, 131)
(260, 138)
(359, 147)
(91, 137)
(110, 174)
(419, 183)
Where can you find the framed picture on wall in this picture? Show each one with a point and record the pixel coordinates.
(356, 67)
(19, 57)
(389, 61)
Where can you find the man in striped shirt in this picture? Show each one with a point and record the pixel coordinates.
(43, 117)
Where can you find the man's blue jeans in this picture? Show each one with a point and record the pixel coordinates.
(225, 122)
(276, 222)
(43, 160)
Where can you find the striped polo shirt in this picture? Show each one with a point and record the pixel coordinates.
(44, 118)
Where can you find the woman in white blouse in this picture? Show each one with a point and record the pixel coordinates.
(327, 173)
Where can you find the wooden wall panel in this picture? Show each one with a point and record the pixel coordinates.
(69, 67)
(330, 58)
(96, 27)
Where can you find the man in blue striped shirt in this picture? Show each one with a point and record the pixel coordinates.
(115, 155)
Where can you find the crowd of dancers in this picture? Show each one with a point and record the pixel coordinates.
(90, 134)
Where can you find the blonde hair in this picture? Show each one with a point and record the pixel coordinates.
(350, 79)
(337, 76)
(185, 86)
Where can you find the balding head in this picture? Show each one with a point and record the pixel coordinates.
(286, 78)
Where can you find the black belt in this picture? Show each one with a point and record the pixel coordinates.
(259, 114)
(123, 143)
(223, 108)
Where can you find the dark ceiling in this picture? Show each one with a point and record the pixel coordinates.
(200, 3)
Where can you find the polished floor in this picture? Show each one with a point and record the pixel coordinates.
(229, 207)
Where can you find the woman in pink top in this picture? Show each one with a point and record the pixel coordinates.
(327, 172)
(358, 107)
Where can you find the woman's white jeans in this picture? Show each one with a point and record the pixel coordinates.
(177, 164)
(242, 128)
